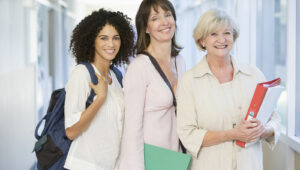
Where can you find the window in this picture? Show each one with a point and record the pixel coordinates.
(297, 110)
(272, 46)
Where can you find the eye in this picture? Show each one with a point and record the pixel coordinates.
(169, 14)
(103, 38)
(153, 18)
(228, 33)
(213, 34)
(116, 38)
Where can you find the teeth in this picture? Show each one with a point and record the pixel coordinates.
(110, 51)
(221, 46)
(165, 30)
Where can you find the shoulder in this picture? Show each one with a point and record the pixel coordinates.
(79, 73)
(187, 77)
(79, 69)
(138, 67)
(139, 64)
(139, 60)
(252, 71)
(78, 79)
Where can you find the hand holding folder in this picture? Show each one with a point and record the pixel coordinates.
(263, 103)
(157, 158)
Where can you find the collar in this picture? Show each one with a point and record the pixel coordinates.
(202, 68)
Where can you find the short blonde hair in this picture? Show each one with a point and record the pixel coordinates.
(211, 21)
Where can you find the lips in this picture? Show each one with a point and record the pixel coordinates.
(221, 46)
(110, 51)
(165, 29)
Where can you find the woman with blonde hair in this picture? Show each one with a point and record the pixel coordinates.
(213, 98)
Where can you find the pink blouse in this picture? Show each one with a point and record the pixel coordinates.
(149, 112)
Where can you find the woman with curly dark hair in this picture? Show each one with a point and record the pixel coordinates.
(104, 38)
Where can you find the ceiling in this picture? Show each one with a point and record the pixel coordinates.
(128, 7)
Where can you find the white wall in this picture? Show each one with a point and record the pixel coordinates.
(12, 35)
(17, 89)
(17, 112)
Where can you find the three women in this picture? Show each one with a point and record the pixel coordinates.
(212, 97)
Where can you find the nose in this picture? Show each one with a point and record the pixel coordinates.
(110, 43)
(221, 38)
(165, 21)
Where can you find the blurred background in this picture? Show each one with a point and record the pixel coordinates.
(35, 60)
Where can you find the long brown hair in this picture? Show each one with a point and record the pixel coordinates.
(141, 21)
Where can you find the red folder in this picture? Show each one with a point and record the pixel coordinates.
(257, 100)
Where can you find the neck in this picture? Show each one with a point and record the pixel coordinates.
(218, 62)
(102, 65)
(160, 51)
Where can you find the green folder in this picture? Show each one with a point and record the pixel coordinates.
(157, 158)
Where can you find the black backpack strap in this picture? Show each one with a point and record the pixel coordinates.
(94, 81)
(118, 74)
(58, 91)
(37, 136)
(162, 74)
(55, 96)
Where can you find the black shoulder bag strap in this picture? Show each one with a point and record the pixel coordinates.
(162, 74)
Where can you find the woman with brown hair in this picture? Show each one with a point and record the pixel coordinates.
(149, 102)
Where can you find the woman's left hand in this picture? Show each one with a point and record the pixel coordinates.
(260, 129)
(249, 131)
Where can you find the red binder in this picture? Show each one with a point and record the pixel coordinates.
(257, 100)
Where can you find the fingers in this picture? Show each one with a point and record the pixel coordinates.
(254, 120)
(251, 123)
(257, 132)
(92, 85)
(250, 130)
(248, 124)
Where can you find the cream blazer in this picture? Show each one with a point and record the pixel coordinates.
(202, 107)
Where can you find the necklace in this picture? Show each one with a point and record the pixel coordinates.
(107, 78)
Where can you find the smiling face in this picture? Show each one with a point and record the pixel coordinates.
(107, 43)
(160, 25)
(219, 42)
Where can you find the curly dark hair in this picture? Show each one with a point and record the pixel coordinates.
(83, 37)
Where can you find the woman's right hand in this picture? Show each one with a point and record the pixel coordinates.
(249, 131)
(100, 89)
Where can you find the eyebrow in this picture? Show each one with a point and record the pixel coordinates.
(107, 35)
(154, 14)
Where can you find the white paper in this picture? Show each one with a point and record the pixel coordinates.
(269, 103)
(267, 107)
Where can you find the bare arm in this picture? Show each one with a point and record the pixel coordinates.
(88, 115)
(247, 131)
